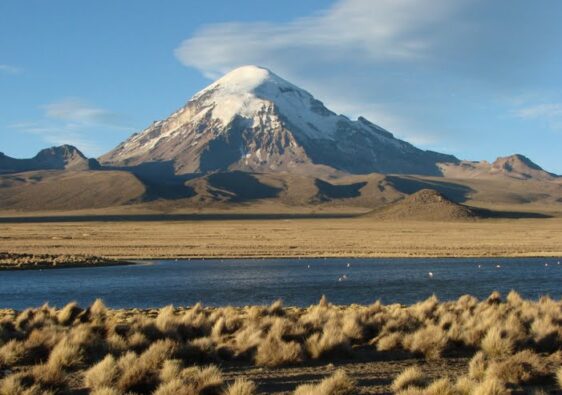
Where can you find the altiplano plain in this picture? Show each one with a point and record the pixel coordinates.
(348, 237)
(323, 197)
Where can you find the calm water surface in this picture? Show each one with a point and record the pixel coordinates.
(298, 282)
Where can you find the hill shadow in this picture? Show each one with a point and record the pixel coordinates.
(160, 180)
(455, 192)
(327, 191)
(242, 186)
(498, 214)
(170, 217)
(458, 193)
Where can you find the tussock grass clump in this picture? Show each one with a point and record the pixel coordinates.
(464, 386)
(103, 374)
(389, 342)
(193, 381)
(171, 369)
(68, 314)
(241, 387)
(273, 352)
(141, 373)
(337, 384)
(49, 376)
(18, 384)
(429, 341)
(488, 375)
(477, 366)
(12, 353)
(411, 377)
(98, 310)
(65, 354)
(522, 368)
(495, 344)
(490, 387)
(330, 343)
(106, 391)
(440, 387)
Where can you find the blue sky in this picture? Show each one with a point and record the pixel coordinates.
(475, 78)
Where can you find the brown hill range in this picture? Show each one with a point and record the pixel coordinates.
(252, 140)
(425, 205)
(64, 157)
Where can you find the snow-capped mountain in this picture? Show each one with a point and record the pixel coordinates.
(253, 120)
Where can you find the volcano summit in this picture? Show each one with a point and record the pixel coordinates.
(253, 120)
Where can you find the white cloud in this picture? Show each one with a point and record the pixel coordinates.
(544, 110)
(349, 56)
(550, 113)
(73, 121)
(362, 30)
(77, 110)
(416, 67)
(9, 69)
(61, 134)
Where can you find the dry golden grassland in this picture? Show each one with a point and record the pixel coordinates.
(356, 237)
(508, 345)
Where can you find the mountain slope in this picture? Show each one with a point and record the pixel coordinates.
(519, 166)
(253, 120)
(514, 166)
(64, 157)
(68, 190)
(425, 205)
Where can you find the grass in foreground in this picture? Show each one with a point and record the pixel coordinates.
(514, 344)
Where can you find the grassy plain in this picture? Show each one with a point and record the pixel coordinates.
(462, 347)
(256, 238)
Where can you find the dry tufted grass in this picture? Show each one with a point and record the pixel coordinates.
(241, 387)
(514, 343)
(337, 384)
(411, 377)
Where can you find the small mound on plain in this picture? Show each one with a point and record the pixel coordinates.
(425, 205)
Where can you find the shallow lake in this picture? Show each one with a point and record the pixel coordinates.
(299, 282)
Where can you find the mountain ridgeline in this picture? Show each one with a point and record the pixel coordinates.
(253, 120)
(253, 136)
(64, 157)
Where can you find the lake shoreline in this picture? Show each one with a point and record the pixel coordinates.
(18, 262)
(97, 262)
(151, 283)
(144, 261)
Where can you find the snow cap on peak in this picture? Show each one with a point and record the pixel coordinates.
(249, 79)
(247, 90)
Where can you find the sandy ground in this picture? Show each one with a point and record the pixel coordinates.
(372, 377)
(335, 237)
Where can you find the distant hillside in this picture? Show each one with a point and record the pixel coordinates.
(64, 157)
(425, 205)
(252, 138)
(68, 190)
(515, 166)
